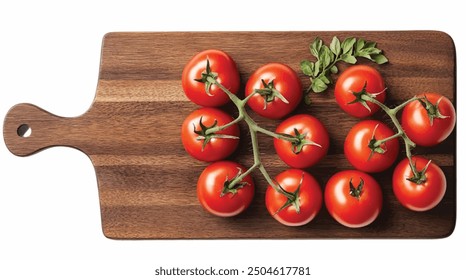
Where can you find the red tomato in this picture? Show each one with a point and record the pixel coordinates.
(300, 154)
(309, 198)
(215, 198)
(425, 195)
(222, 67)
(418, 125)
(215, 148)
(353, 198)
(270, 78)
(360, 151)
(353, 80)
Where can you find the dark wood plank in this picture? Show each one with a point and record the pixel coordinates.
(147, 182)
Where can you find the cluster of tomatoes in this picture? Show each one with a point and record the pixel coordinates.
(371, 146)
(294, 197)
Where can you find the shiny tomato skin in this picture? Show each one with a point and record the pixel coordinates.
(416, 123)
(310, 154)
(220, 63)
(310, 198)
(285, 80)
(352, 80)
(217, 148)
(347, 209)
(358, 153)
(210, 185)
(421, 197)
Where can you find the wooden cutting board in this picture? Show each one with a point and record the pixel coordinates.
(147, 182)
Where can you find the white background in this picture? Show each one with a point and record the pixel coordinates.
(49, 210)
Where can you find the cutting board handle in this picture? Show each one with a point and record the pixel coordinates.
(28, 129)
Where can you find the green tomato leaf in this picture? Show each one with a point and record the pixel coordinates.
(347, 45)
(319, 45)
(365, 56)
(370, 51)
(307, 67)
(348, 58)
(335, 46)
(370, 45)
(360, 45)
(324, 79)
(334, 69)
(317, 68)
(379, 58)
(318, 85)
(325, 56)
(316, 46)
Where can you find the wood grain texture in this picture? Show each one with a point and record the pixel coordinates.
(146, 181)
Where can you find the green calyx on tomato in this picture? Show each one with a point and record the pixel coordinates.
(375, 145)
(361, 97)
(433, 111)
(292, 197)
(233, 185)
(299, 141)
(419, 176)
(206, 137)
(356, 192)
(208, 78)
(269, 92)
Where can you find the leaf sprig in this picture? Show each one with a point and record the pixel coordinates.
(327, 57)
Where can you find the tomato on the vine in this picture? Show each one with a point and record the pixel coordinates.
(422, 192)
(277, 90)
(354, 82)
(363, 151)
(430, 120)
(210, 64)
(311, 141)
(353, 198)
(217, 197)
(308, 195)
(209, 146)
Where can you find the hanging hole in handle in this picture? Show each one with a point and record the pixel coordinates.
(24, 130)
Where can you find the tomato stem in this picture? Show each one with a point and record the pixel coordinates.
(409, 144)
(402, 105)
(275, 135)
(215, 129)
(206, 137)
(235, 184)
(382, 141)
(253, 129)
